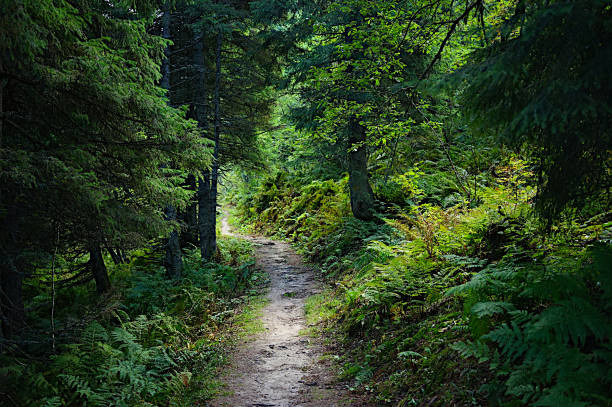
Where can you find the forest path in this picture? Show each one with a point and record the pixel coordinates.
(281, 367)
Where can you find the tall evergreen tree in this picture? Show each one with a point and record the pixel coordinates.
(85, 137)
(217, 51)
(543, 85)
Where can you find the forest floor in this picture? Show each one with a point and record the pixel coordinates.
(282, 366)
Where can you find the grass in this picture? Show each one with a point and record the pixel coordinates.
(321, 307)
(248, 322)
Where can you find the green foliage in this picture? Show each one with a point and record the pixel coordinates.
(389, 298)
(388, 305)
(91, 151)
(158, 342)
(114, 367)
(549, 329)
(244, 59)
(456, 207)
(549, 62)
(86, 135)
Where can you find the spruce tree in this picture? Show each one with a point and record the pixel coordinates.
(542, 86)
(85, 137)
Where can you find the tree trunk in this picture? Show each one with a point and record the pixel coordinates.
(123, 256)
(215, 165)
(114, 255)
(190, 217)
(98, 269)
(207, 244)
(206, 183)
(198, 112)
(362, 197)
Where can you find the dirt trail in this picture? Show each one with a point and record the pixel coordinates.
(280, 367)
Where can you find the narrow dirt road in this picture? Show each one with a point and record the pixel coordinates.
(280, 367)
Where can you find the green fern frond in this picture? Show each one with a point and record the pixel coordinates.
(476, 349)
(489, 308)
(94, 333)
(52, 402)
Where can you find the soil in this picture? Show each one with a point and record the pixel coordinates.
(282, 367)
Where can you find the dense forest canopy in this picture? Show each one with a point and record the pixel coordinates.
(445, 163)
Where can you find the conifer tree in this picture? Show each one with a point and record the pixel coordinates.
(85, 137)
(543, 85)
(217, 52)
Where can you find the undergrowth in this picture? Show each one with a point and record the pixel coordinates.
(443, 301)
(150, 342)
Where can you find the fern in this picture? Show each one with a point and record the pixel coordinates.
(477, 349)
(92, 334)
(52, 402)
(552, 346)
(82, 389)
(490, 308)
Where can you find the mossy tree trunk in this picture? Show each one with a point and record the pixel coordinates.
(362, 197)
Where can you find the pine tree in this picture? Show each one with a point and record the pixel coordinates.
(217, 51)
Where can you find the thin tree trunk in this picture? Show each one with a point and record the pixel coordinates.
(98, 269)
(173, 261)
(362, 197)
(206, 223)
(189, 217)
(207, 244)
(123, 256)
(114, 255)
